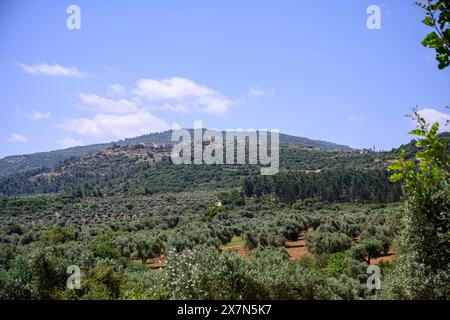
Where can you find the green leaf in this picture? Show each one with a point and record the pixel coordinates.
(418, 132)
(428, 21)
(397, 177)
(430, 38)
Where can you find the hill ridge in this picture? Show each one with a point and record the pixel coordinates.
(21, 163)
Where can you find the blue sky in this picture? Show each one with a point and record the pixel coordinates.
(308, 68)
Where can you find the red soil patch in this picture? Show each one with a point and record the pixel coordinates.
(297, 249)
(297, 252)
(294, 244)
(240, 250)
(385, 258)
(156, 263)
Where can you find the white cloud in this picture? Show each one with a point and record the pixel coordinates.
(255, 92)
(353, 118)
(69, 142)
(178, 108)
(184, 92)
(113, 126)
(172, 88)
(175, 126)
(101, 104)
(432, 116)
(36, 115)
(16, 138)
(53, 70)
(116, 90)
(126, 118)
(258, 92)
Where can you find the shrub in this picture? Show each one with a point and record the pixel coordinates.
(326, 243)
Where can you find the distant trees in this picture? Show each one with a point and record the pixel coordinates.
(274, 232)
(190, 236)
(234, 198)
(326, 243)
(57, 234)
(205, 273)
(329, 185)
(366, 249)
(262, 235)
(103, 246)
(141, 245)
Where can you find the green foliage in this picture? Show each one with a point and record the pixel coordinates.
(205, 273)
(144, 284)
(37, 274)
(335, 185)
(100, 283)
(437, 16)
(141, 245)
(171, 198)
(103, 246)
(57, 234)
(367, 249)
(116, 207)
(263, 235)
(422, 265)
(231, 199)
(338, 263)
(326, 243)
(213, 211)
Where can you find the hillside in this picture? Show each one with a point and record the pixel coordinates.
(22, 163)
(411, 149)
(142, 169)
(139, 167)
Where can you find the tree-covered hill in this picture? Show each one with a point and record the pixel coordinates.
(22, 163)
(142, 169)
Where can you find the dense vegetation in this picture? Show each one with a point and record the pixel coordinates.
(106, 237)
(423, 245)
(38, 161)
(328, 185)
(135, 225)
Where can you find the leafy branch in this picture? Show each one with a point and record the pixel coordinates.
(437, 16)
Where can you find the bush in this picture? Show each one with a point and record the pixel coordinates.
(56, 234)
(367, 249)
(326, 243)
(337, 265)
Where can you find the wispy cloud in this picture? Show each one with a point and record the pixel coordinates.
(181, 91)
(16, 138)
(134, 115)
(36, 115)
(69, 142)
(52, 70)
(353, 118)
(432, 116)
(178, 108)
(116, 90)
(258, 92)
(114, 126)
(101, 104)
